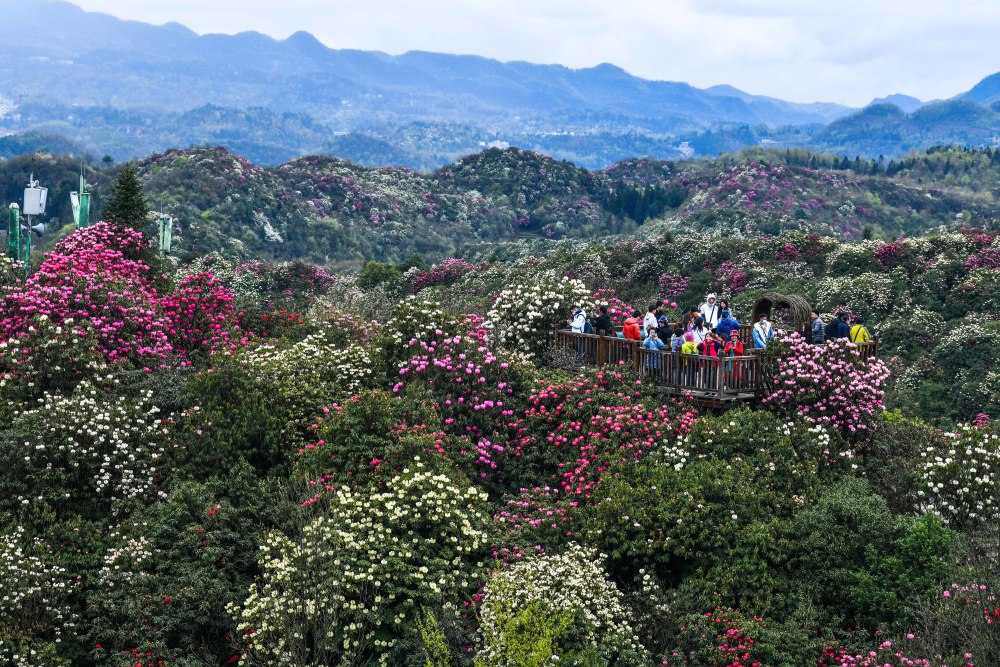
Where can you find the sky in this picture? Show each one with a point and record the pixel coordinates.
(846, 51)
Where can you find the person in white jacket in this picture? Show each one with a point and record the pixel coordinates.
(579, 320)
(711, 311)
(650, 319)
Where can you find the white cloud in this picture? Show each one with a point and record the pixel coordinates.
(847, 51)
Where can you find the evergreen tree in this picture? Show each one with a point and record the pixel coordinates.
(127, 206)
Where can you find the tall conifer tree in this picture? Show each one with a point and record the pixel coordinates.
(127, 206)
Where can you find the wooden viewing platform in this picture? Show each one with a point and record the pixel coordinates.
(715, 382)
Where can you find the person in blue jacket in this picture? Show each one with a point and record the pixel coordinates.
(727, 324)
(652, 342)
(763, 332)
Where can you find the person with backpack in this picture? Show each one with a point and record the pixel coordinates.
(579, 320)
(763, 332)
(818, 328)
(843, 329)
(711, 312)
(859, 334)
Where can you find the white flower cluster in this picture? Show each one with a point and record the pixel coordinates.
(574, 582)
(122, 562)
(340, 371)
(108, 446)
(33, 597)
(868, 293)
(524, 318)
(960, 477)
(356, 579)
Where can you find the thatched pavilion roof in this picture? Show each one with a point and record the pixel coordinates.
(796, 305)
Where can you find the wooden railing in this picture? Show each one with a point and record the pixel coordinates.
(724, 379)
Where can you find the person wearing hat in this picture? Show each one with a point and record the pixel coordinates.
(711, 312)
(663, 328)
(859, 334)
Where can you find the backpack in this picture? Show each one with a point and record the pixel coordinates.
(831, 329)
(588, 328)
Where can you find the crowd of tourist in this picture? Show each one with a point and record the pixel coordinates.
(710, 330)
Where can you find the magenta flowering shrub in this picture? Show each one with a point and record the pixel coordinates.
(891, 255)
(672, 285)
(472, 388)
(571, 433)
(201, 315)
(719, 638)
(829, 385)
(96, 278)
(618, 310)
(987, 258)
(788, 253)
(446, 273)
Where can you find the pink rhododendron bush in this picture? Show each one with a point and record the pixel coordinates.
(98, 284)
(829, 385)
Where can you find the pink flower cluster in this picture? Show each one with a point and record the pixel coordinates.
(472, 387)
(201, 315)
(617, 309)
(579, 429)
(96, 277)
(735, 278)
(788, 253)
(892, 255)
(826, 384)
(671, 285)
(987, 258)
(446, 273)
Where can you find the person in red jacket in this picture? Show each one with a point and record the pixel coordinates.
(633, 326)
(734, 348)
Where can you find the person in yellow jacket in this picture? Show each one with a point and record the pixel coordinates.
(859, 334)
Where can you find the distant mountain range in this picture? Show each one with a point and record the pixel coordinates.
(126, 89)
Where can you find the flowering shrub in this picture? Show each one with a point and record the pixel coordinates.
(355, 581)
(201, 316)
(524, 318)
(987, 258)
(673, 286)
(85, 452)
(96, 278)
(719, 638)
(35, 612)
(49, 357)
(618, 310)
(447, 272)
(571, 433)
(959, 476)
(826, 385)
(870, 293)
(473, 388)
(572, 583)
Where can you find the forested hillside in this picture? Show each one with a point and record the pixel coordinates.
(328, 210)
